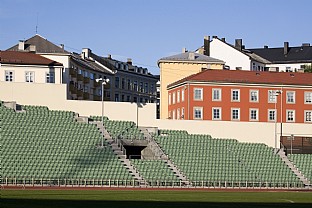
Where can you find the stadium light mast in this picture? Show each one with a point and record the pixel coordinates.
(276, 94)
(104, 82)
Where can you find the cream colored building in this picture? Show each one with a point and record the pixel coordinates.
(176, 67)
(30, 68)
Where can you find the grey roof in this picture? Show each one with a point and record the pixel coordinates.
(88, 63)
(186, 57)
(42, 45)
(302, 54)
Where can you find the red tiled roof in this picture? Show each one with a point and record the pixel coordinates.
(250, 77)
(25, 58)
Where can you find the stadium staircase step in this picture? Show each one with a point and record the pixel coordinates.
(162, 156)
(285, 159)
(133, 171)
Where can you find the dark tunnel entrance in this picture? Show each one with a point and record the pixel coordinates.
(134, 152)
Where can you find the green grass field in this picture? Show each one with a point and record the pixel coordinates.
(151, 199)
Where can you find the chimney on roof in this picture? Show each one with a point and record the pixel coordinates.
(239, 44)
(62, 46)
(32, 48)
(223, 40)
(286, 47)
(21, 45)
(207, 45)
(129, 61)
(184, 50)
(87, 52)
(305, 44)
(191, 56)
(109, 56)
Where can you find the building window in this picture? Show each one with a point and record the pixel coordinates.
(173, 115)
(117, 97)
(272, 96)
(216, 94)
(129, 84)
(123, 83)
(254, 96)
(308, 116)
(86, 74)
(178, 114)
(86, 89)
(235, 114)
(122, 98)
(216, 113)
(116, 82)
(29, 76)
(235, 95)
(290, 96)
(198, 113)
(173, 98)
(9, 75)
(271, 115)
(169, 99)
(182, 95)
(141, 87)
(169, 115)
(50, 77)
(152, 89)
(290, 115)
(253, 114)
(178, 96)
(145, 87)
(92, 75)
(79, 71)
(182, 114)
(308, 97)
(135, 85)
(198, 93)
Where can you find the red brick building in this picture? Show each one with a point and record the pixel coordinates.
(248, 96)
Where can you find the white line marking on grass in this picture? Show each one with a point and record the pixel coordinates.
(290, 201)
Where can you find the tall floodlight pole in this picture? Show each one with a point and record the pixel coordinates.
(103, 82)
(276, 94)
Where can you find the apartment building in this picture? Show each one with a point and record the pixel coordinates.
(242, 96)
(176, 67)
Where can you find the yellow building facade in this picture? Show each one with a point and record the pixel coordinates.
(176, 67)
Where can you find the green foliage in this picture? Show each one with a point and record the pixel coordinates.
(308, 68)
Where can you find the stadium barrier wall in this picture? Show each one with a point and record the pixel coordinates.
(43, 182)
(54, 97)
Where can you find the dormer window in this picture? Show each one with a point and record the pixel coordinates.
(117, 65)
(126, 67)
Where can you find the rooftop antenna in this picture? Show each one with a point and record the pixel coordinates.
(37, 24)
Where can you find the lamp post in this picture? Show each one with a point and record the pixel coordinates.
(276, 94)
(104, 82)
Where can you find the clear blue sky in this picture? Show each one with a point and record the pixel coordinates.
(146, 30)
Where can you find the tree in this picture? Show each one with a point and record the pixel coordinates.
(308, 68)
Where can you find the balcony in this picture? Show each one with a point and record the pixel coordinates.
(86, 80)
(79, 93)
(72, 89)
(79, 77)
(86, 96)
(97, 98)
(72, 72)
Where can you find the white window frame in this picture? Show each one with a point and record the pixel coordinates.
(169, 115)
(173, 98)
(30, 76)
(272, 98)
(178, 96)
(182, 114)
(293, 116)
(48, 77)
(294, 97)
(310, 116)
(182, 95)
(219, 111)
(201, 113)
(219, 93)
(174, 114)
(201, 94)
(232, 91)
(169, 99)
(269, 111)
(235, 119)
(308, 97)
(178, 114)
(251, 96)
(7, 74)
(257, 114)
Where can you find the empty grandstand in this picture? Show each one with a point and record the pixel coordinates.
(50, 147)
